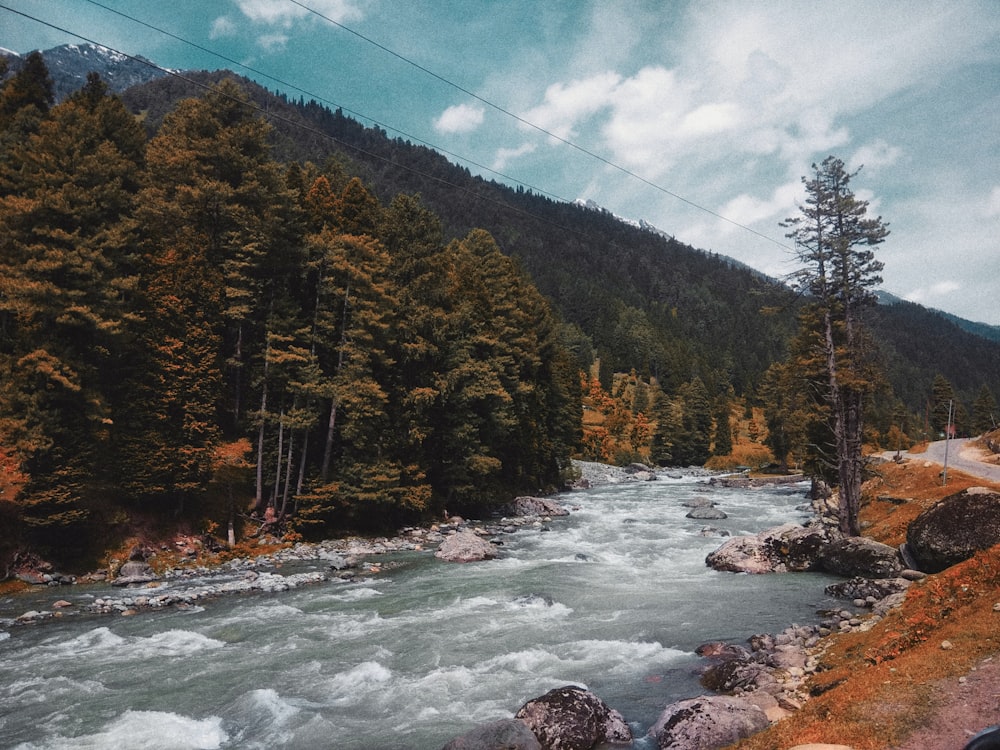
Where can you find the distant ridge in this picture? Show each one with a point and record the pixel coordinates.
(983, 330)
(69, 65)
(633, 294)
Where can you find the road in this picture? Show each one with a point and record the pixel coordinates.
(961, 456)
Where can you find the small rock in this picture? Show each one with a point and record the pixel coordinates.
(62, 603)
(506, 734)
(947, 645)
(706, 513)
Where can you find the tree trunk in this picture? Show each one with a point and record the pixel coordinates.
(259, 496)
(330, 433)
(845, 404)
(331, 425)
(278, 456)
(288, 473)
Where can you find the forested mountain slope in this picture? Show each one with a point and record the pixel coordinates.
(644, 301)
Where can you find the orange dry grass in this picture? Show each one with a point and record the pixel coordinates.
(919, 485)
(876, 687)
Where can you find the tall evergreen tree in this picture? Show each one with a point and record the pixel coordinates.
(943, 405)
(693, 442)
(66, 298)
(833, 235)
(215, 212)
(722, 442)
(668, 423)
(985, 416)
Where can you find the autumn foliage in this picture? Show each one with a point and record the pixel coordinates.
(191, 330)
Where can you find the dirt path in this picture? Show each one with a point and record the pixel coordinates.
(965, 707)
(961, 456)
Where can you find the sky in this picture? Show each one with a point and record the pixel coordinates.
(674, 112)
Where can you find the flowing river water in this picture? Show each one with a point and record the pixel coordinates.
(615, 597)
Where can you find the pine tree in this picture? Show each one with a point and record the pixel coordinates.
(943, 405)
(215, 212)
(30, 87)
(985, 416)
(668, 424)
(692, 444)
(66, 281)
(833, 236)
(722, 443)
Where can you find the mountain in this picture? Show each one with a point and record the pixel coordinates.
(983, 330)
(69, 65)
(638, 298)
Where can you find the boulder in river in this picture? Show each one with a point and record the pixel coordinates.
(465, 546)
(860, 556)
(537, 506)
(571, 718)
(706, 514)
(789, 547)
(505, 734)
(954, 529)
(707, 723)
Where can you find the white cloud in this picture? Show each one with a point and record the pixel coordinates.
(746, 209)
(566, 104)
(506, 155)
(928, 294)
(461, 118)
(283, 13)
(874, 156)
(272, 42)
(993, 203)
(222, 26)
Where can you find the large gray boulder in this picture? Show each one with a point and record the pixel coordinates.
(571, 718)
(789, 547)
(134, 571)
(954, 529)
(537, 506)
(466, 546)
(506, 734)
(707, 723)
(858, 556)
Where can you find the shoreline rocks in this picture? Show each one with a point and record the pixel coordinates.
(707, 722)
(571, 718)
(954, 529)
(790, 547)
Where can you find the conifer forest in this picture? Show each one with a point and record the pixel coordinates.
(212, 318)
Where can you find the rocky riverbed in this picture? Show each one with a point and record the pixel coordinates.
(751, 684)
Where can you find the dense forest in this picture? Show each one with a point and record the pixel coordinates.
(185, 323)
(216, 302)
(641, 299)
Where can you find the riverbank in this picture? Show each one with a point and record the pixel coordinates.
(186, 574)
(916, 678)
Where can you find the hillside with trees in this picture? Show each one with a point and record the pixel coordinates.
(187, 324)
(223, 306)
(642, 300)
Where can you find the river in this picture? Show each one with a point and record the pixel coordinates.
(615, 597)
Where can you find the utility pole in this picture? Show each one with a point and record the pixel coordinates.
(947, 436)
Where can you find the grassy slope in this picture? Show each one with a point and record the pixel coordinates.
(876, 687)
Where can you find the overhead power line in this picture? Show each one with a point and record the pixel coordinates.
(318, 98)
(539, 128)
(374, 121)
(271, 115)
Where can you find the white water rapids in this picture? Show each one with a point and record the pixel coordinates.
(615, 598)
